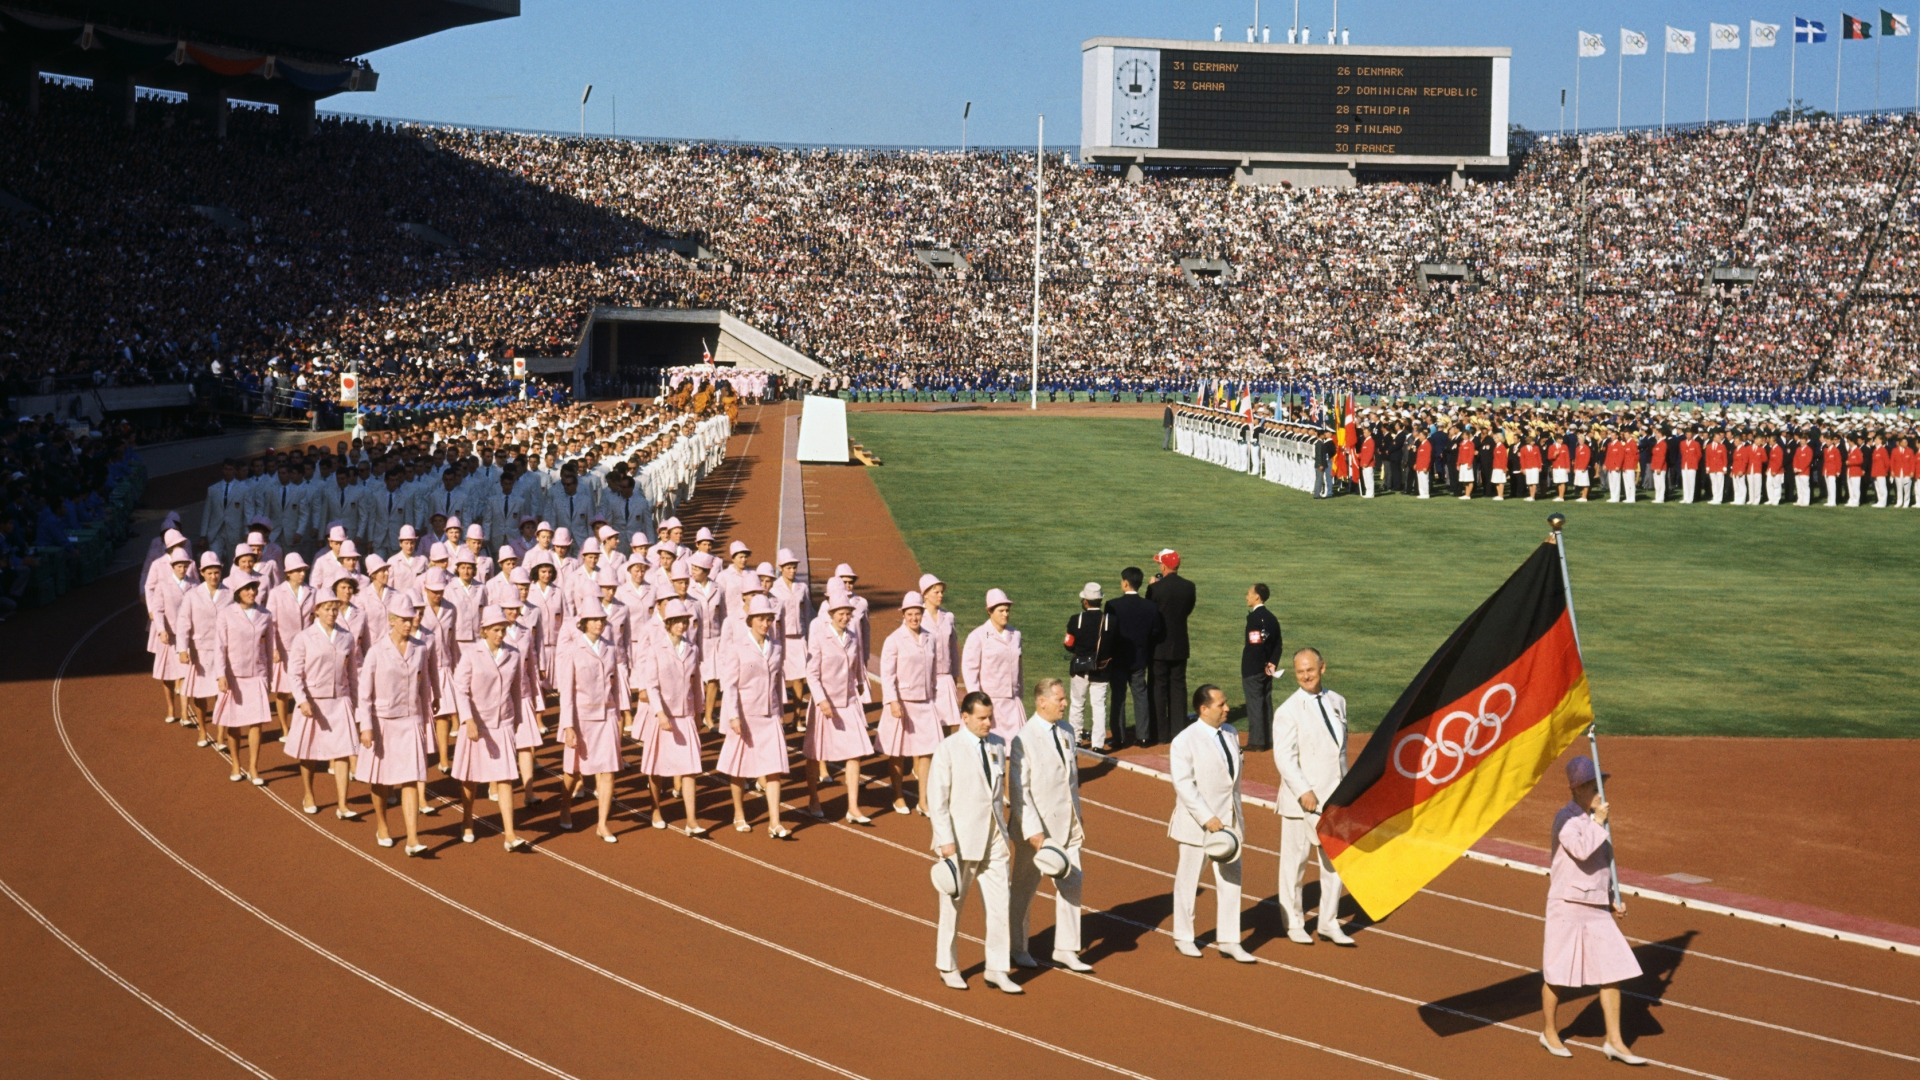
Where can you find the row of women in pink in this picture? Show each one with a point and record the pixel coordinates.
(242, 664)
(666, 674)
(491, 704)
(837, 685)
(753, 695)
(591, 676)
(394, 706)
(910, 727)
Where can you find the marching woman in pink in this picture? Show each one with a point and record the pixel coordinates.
(1584, 947)
(592, 678)
(378, 591)
(197, 636)
(794, 607)
(291, 605)
(392, 708)
(243, 657)
(753, 685)
(323, 670)
(487, 687)
(708, 602)
(546, 594)
(940, 622)
(359, 622)
(991, 664)
(667, 721)
(437, 621)
(163, 619)
(909, 722)
(837, 720)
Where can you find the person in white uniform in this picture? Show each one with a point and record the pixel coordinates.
(1206, 783)
(1044, 774)
(966, 789)
(1310, 751)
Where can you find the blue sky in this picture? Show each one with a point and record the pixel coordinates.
(874, 73)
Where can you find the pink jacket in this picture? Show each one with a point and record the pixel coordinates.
(671, 680)
(291, 614)
(992, 664)
(404, 572)
(1581, 855)
(393, 687)
(197, 626)
(466, 604)
(836, 670)
(751, 685)
(793, 607)
(323, 665)
(592, 685)
(709, 613)
(163, 607)
(243, 648)
(486, 686)
(906, 666)
(946, 641)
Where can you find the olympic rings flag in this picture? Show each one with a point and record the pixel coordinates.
(1470, 736)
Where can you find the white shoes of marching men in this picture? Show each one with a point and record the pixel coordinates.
(1332, 933)
(999, 980)
(1231, 951)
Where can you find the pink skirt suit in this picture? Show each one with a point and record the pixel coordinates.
(593, 692)
(671, 678)
(197, 632)
(323, 669)
(393, 701)
(243, 655)
(292, 612)
(795, 610)
(837, 674)
(163, 613)
(907, 676)
(753, 688)
(1584, 947)
(709, 620)
(486, 688)
(523, 637)
(991, 663)
(946, 650)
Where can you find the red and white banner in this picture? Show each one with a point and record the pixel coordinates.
(519, 367)
(349, 388)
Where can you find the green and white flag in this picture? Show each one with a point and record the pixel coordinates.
(1892, 25)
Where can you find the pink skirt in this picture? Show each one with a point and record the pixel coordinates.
(397, 755)
(1584, 947)
(282, 682)
(166, 664)
(946, 703)
(842, 738)
(327, 736)
(672, 749)
(245, 705)
(486, 759)
(596, 746)
(526, 724)
(760, 751)
(1009, 716)
(918, 735)
(199, 684)
(793, 664)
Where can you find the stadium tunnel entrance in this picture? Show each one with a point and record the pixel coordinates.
(625, 352)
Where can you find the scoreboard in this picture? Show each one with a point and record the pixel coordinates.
(1220, 102)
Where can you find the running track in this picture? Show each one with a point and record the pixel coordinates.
(160, 921)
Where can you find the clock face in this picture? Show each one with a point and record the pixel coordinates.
(1134, 78)
(1136, 127)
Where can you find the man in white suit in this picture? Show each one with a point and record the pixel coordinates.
(223, 522)
(966, 787)
(1206, 786)
(1310, 750)
(1045, 775)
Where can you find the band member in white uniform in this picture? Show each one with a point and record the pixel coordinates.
(1206, 783)
(1045, 796)
(965, 791)
(1310, 750)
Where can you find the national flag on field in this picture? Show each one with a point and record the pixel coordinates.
(706, 357)
(1892, 25)
(1349, 431)
(1469, 737)
(1808, 32)
(1852, 29)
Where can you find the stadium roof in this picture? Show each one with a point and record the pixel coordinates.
(336, 29)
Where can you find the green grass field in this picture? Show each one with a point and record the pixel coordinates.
(1696, 620)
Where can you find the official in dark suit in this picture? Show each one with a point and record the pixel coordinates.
(1259, 655)
(1135, 623)
(1173, 595)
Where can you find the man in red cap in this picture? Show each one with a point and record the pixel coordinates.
(1174, 596)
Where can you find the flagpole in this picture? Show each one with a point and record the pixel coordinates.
(1748, 121)
(1619, 73)
(1793, 66)
(1839, 54)
(1577, 65)
(1039, 188)
(1706, 113)
(1876, 71)
(1556, 522)
(1666, 52)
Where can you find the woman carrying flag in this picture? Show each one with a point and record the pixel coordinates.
(1583, 946)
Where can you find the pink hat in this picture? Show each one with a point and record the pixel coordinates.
(590, 609)
(562, 537)
(758, 606)
(491, 615)
(836, 601)
(507, 554)
(475, 532)
(339, 533)
(736, 548)
(928, 581)
(543, 527)
(208, 558)
(260, 519)
(519, 576)
(671, 523)
(679, 573)
(605, 530)
(536, 557)
(786, 556)
(172, 519)
(452, 525)
(407, 533)
(525, 519)
(605, 577)
(995, 598)
(675, 608)
(436, 552)
(464, 556)
(843, 570)
(511, 601)
(704, 534)
(348, 551)
(293, 562)
(639, 541)
(180, 556)
(173, 539)
(257, 538)
(436, 580)
(375, 564)
(591, 547)
(597, 517)
(912, 600)
(766, 569)
(659, 551)
(241, 551)
(401, 607)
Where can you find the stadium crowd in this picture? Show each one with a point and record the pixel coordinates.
(430, 256)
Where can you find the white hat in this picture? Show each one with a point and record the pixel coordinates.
(1051, 861)
(946, 877)
(1222, 846)
(1091, 591)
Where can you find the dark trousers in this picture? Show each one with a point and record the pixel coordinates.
(1259, 694)
(1135, 681)
(1168, 689)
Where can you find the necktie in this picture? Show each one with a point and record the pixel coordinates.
(1325, 719)
(1225, 749)
(986, 766)
(1059, 747)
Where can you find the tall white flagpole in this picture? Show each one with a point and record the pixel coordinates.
(1577, 65)
(1748, 122)
(1619, 73)
(1706, 114)
(1793, 60)
(1039, 191)
(1839, 54)
(1666, 51)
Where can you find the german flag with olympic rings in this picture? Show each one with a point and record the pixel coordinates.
(1470, 736)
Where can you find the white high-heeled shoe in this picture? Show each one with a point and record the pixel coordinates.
(1556, 1051)
(1623, 1057)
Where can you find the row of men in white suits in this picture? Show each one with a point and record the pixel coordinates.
(1006, 815)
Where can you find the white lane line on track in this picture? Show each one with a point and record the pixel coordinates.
(1539, 918)
(179, 1021)
(60, 727)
